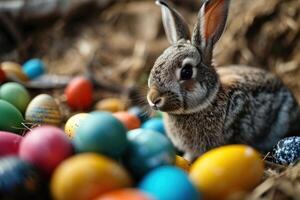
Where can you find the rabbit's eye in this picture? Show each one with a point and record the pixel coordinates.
(186, 72)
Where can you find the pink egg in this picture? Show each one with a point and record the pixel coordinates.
(45, 147)
(9, 143)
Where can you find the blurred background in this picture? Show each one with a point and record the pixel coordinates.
(121, 39)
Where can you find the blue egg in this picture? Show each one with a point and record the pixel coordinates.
(155, 124)
(101, 132)
(139, 112)
(147, 150)
(287, 150)
(33, 68)
(168, 182)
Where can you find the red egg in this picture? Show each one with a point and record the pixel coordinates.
(9, 143)
(79, 93)
(2, 76)
(45, 147)
(130, 121)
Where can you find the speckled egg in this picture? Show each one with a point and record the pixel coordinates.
(34, 68)
(45, 147)
(147, 150)
(9, 143)
(287, 150)
(101, 132)
(125, 194)
(86, 176)
(225, 171)
(16, 94)
(155, 124)
(14, 71)
(73, 123)
(111, 105)
(11, 118)
(168, 182)
(43, 110)
(130, 121)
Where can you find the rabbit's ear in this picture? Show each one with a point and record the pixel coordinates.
(211, 23)
(175, 26)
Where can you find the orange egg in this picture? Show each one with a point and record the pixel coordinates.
(79, 93)
(124, 194)
(129, 121)
(182, 163)
(110, 105)
(14, 71)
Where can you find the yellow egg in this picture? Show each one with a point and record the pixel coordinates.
(43, 110)
(226, 170)
(111, 105)
(182, 163)
(14, 71)
(73, 123)
(87, 176)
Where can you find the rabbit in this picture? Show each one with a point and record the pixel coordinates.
(206, 106)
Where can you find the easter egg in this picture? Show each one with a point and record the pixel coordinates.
(155, 124)
(79, 93)
(140, 113)
(129, 121)
(43, 110)
(10, 117)
(147, 150)
(168, 182)
(9, 143)
(124, 194)
(16, 94)
(14, 71)
(182, 163)
(73, 123)
(111, 105)
(45, 147)
(2, 75)
(86, 176)
(227, 170)
(33, 68)
(18, 179)
(101, 132)
(287, 151)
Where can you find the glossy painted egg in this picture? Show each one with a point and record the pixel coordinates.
(9, 143)
(287, 151)
(43, 110)
(79, 93)
(155, 124)
(129, 121)
(86, 176)
(10, 117)
(168, 182)
(182, 163)
(227, 170)
(45, 147)
(124, 194)
(14, 71)
(2, 75)
(73, 123)
(18, 179)
(34, 68)
(147, 150)
(16, 94)
(111, 105)
(140, 113)
(101, 132)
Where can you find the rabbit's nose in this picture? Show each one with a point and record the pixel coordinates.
(155, 100)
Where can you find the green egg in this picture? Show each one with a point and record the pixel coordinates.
(16, 94)
(10, 117)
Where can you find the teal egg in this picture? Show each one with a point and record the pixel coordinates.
(155, 124)
(34, 68)
(16, 94)
(168, 182)
(147, 150)
(101, 132)
(10, 117)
